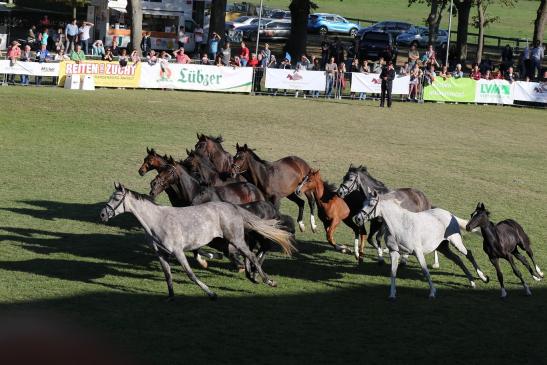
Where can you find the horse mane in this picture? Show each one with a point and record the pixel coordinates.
(140, 196)
(329, 190)
(374, 183)
(255, 156)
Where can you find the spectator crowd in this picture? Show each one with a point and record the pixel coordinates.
(336, 59)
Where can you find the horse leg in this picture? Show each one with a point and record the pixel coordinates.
(362, 239)
(375, 229)
(444, 248)
(436, 260)
(496, 262)
(522, 259)
(294, 198)
(311, 203)
(530, 254)
(518, 274)
(186, 266)
(166, 271)
(242, 247)
(421, 259)
(330, 236)
(394, 264)
(456, 240)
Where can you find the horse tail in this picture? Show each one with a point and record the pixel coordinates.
(269, 228)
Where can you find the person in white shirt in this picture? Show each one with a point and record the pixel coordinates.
(83, 31)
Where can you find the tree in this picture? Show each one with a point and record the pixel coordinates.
(436, 9)
(74, 4)
(300, 11)
(464, 11)
(481, 21)
(134, 8)
(218, 15)
(541, 19)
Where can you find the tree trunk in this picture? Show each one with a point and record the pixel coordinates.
(218, 18)
(296, 44)
(464, 10)
(74, 8)
(135, 9)
(482, 20)
(541, 19)
(434, 19)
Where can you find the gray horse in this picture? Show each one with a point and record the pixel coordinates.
(174, 231)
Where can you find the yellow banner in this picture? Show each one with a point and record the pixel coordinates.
(106, 74)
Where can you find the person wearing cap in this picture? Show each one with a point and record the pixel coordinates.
(387, 76)
(14, 53)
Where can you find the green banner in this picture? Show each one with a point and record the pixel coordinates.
(454, 90)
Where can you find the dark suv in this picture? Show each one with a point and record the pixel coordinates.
(374, 45)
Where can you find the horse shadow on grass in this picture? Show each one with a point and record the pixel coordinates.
(54, 210)
(343, 326)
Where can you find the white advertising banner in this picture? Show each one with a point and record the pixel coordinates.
(196, 77)
(530, 91)
(494, 92)
(295, 79)
(371, 83)
(30, 68)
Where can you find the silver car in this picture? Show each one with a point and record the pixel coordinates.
(419, 36)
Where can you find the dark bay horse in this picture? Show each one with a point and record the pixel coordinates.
(332, 210)
(276, 179)
(501, 241)
(358, 178)
(211, 147)
(187, 188)
(203, 169)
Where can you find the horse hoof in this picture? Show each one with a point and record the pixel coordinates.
(170, 299)
(240, 269)
(473, 285)
(213, 296)
(431, 296)
(435, 266)
(302, 226)
(314, 229)
(483, 277)
(381, 261)
(536, 278)
(272, 283)
(392, 299)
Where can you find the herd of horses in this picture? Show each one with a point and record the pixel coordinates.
(231, 203)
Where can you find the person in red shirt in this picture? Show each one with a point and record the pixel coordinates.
(476, 73)
(181, 57)
(254, 60)
(14, 53)
(244, 56)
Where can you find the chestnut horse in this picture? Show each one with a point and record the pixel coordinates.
(276, 179)
(211, 147)
(332, 210)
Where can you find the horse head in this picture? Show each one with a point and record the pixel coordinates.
(152, 161)
(309, 182)
(479, 217)
(115, 205)
(166, 177)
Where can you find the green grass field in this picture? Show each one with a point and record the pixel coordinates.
(62, 150)
(514, 22)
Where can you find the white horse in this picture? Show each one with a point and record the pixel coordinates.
(418, 234)
(174, 231)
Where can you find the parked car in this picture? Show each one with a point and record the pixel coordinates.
(281, 14)
(241, 21)
(392, 27)
(419, 36)
(374, 45)
(271, 29)
(331, 23)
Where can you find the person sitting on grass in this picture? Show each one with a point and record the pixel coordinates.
(510, 76)
(98, 48)
(204, 59)
(152, 59)
(135, 58)
(108, 55)
(123, 58)
(77, 55)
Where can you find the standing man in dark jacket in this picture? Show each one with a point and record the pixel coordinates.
(146, 44)
(387, 76)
